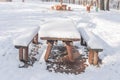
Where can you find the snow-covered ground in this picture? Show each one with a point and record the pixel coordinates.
(16, 17)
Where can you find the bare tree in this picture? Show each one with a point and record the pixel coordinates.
(69, 1)
(102, 7)
(97, 3)
(107, 5)
(118, 5)
(61, 1)
(73, 1)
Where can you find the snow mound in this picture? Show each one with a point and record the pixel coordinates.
(25, 38)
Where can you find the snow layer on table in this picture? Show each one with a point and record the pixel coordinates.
(60, 28)
(26, 37)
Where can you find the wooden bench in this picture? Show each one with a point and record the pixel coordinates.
(93, 45)
(61, 7)
(88, 8)
(23, 40)
(62, 30)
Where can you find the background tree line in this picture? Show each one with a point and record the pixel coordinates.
(102, 4)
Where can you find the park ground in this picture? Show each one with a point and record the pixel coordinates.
(16, 17)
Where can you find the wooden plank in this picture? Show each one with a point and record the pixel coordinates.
(62, 39)
(97, 49)
(17, 46)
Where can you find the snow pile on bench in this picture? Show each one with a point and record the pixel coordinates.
(90, 39)
(60, 28)
(85, 34)
(94, 44)
(26, 37)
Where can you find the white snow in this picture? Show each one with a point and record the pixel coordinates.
(26, 37)
(90, 39)
(59, 28)
(85, 34)
(16, 17)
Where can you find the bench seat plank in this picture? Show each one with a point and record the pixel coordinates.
(90, 39)
(94, 44)
(25, 38)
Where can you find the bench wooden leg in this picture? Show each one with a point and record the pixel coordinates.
(90, 56)
(93, 57)
(21, 54)
(95, 60)
(49, 48)
(25, 54)
(81, 41)
(69, 51)
(35, 39)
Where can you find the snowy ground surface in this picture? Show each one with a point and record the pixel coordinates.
(15, 18)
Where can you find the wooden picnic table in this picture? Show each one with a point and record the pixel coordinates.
(60, 29)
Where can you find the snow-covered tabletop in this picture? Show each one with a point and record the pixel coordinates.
(60, 29)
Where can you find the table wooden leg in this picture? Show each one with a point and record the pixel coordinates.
(21, 54)
(90, 56)
(95, 60)
(49, 48)
(69, 51)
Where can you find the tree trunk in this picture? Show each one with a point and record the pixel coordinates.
(79, 2)
(97, 3)
(118, 5)
(102, 5)
(107, 5)
(73, 1)
(69, 1)
(91, 3)
(61, 1)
